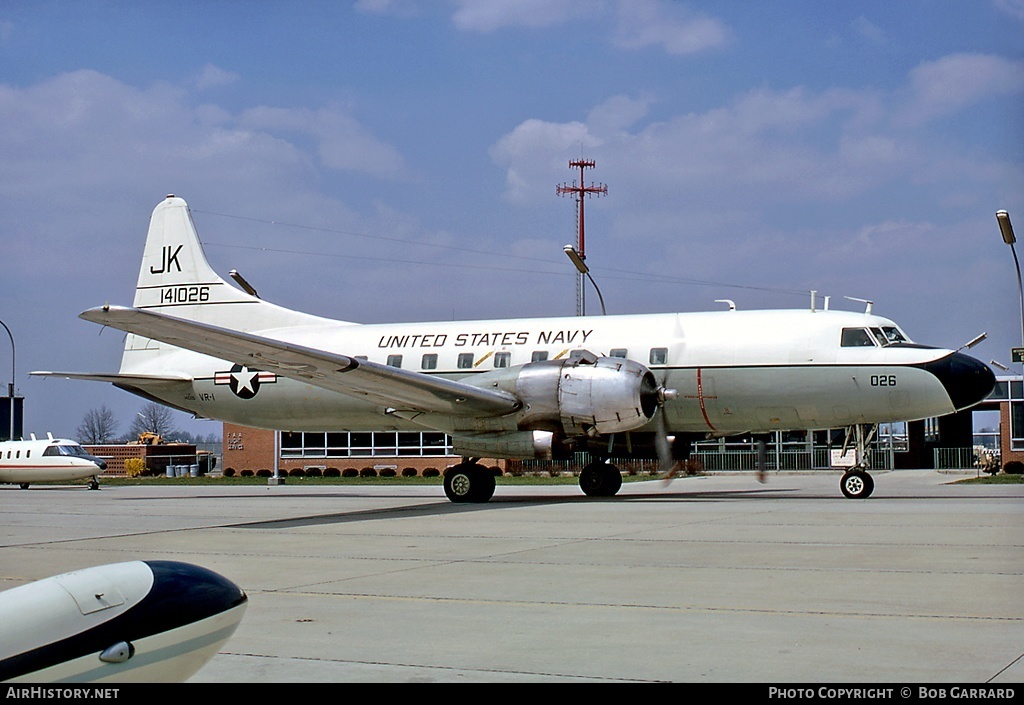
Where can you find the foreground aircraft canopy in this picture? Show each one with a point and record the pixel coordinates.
(640, 385)
(139, 621)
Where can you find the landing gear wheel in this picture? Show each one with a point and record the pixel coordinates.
(857, 484)
(600, 480)
(469, 482)
(93, 484)
(23, 485)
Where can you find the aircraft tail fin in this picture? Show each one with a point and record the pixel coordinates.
(176, 278)
(175, 275)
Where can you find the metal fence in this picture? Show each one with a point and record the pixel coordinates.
(954, 458)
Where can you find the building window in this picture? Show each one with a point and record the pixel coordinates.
(344, 444)
(465, 361)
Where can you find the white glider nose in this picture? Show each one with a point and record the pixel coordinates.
(141, 621)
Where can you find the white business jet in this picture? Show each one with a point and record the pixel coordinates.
(647, 385)
(49, 460)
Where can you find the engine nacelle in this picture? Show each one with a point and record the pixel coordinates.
(584, 396)
(535, 445)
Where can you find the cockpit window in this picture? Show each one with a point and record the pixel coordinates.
(65, 450)
(857, 338)
(893, 335)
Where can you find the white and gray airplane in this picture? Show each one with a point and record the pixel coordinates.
(646, 385)
(50, 460)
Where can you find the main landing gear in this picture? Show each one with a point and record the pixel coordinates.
(600, 479)
(469, 481)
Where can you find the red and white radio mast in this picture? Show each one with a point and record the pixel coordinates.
(580, 191)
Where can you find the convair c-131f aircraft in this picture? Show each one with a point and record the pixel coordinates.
(645, 385)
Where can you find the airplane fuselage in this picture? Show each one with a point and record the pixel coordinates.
(734, 371)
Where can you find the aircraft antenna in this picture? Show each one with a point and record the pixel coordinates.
(579, 192)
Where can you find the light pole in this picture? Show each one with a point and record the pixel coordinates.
(10, 387)
(1006, 228)
(582, 267)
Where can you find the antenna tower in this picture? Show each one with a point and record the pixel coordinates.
(579, 192)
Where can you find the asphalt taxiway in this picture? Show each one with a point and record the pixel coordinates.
(710, 579)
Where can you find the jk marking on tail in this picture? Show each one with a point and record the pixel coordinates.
(169, 258)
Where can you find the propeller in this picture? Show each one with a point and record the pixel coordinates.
(762, 464)
(666, 463)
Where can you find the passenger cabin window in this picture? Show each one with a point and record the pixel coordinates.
(659, 356)
(857, 338)
(465, 361)
(539, 355)
(575, 354)
(617, 352)
(394, 360)
(502, 359)
(429, 361)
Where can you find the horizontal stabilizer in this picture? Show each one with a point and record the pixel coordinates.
(117, 378)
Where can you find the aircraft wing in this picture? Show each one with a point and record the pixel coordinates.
(380, 384)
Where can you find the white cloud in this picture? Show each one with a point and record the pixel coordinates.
(397, 8)
(341, 141)
(673, 27)
(213, 76)
(941, 87)
(1014, 8)
(868, 30)
(490, 15)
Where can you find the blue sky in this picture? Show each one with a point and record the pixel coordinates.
(390, 160)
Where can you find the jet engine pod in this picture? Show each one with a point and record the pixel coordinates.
(586, 396)
(140, 621)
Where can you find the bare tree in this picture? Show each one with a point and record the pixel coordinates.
(98, 426)
(154, 418)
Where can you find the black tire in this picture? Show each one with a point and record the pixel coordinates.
(23, 485)
(600, 480)
(857, 484)
(469, 483)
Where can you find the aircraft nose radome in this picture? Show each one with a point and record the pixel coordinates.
(186, 593)
(967, 380)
